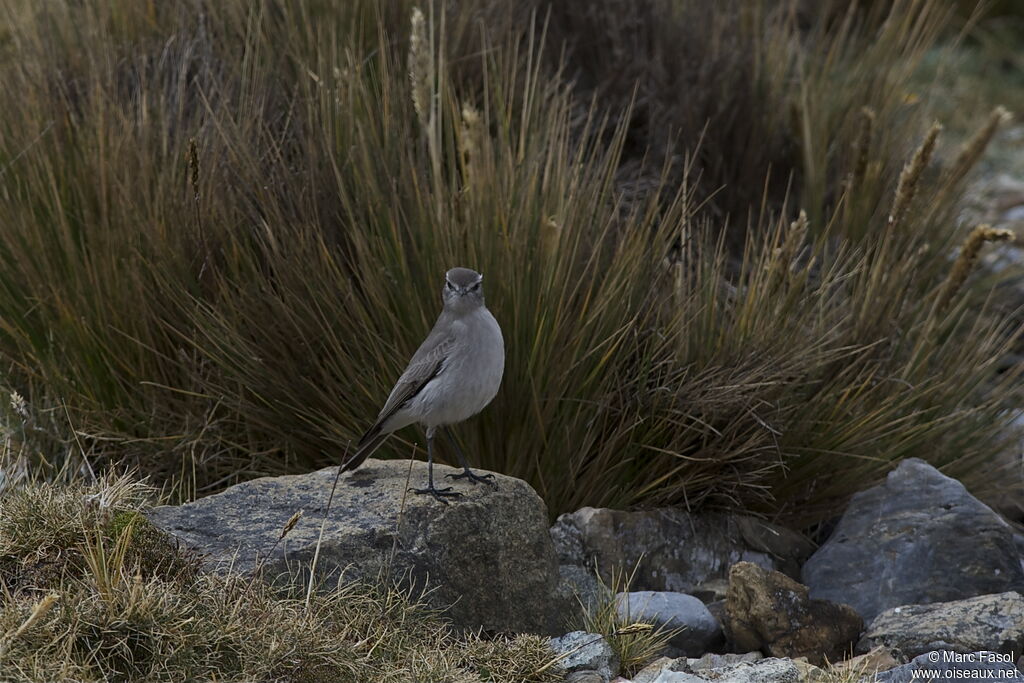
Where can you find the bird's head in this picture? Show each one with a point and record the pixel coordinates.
(463, 290)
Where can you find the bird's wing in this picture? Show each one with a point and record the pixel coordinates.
(426, 364)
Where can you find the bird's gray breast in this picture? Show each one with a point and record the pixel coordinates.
(470, 376)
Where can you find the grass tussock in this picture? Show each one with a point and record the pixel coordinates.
(111, 615)
(635, 643)
(225, 224)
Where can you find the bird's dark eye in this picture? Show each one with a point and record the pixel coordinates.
(448, 285)
(475, 288)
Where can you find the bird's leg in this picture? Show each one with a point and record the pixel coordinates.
(466, 472)
(439, 494)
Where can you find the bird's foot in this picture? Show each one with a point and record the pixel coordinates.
(473, 477)
(439, 494)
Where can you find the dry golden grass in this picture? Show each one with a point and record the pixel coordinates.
(125, 605)
(967, 259)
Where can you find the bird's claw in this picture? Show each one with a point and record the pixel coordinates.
(473, 477)
(438, 494)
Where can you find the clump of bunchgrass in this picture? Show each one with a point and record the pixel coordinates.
(49, 531)
(332, 168)
(634, 642)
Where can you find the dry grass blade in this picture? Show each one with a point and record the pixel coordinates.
(862, 147)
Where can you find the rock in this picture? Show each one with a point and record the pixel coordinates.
(767, 610)
(578, 585)
(667, 670)
(667, 676)
(716, 661)
(586, 676)
(712, 591)
(941, 667)
(749, 670)
(1015, 214)
(586, 652)
(671, 549)
(700, 630)
(987, 622)
(771, 670)
(918, 538)
(650, 673)
(808, 672)
(487, 557)
(878, 659)
(717, 609)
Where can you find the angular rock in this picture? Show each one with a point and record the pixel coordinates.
(770, 670)
(809, 673)
(671, 549)
(769, 611)
(699, 630)
(918, 538)
(487, 557)
(586, 676)
(939, 667)
(655, 675)
(578, 585)
(749, 670)
(663, 670)
(717, 609)
(987, 622)
(667, 669)
(652, 670)
(716, 661)
(586, 654)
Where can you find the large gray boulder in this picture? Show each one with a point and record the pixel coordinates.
(672, 549)
(486, 557)
(988, 622)
(917, 538)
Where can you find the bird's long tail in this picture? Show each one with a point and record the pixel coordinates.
(365, 448)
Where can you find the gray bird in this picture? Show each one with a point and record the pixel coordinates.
(452, 376)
